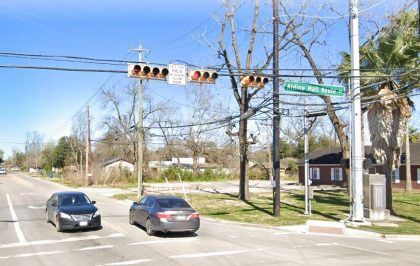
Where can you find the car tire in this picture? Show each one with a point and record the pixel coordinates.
(57, 224)
(131, 218)
(149, 230)
(47, 219)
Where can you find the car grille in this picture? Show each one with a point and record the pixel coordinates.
(82, 217)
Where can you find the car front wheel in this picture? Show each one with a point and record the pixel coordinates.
(57, 224)
(131, 218)
(46, 216)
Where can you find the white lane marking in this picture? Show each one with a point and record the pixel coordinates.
(28, 194)
(282, 233)
(233, 236)
(161, 241)
(71, 239)
(386, 241)
(97, 247)
(350, 247)
(19, 232)
(36, 207)
(128, 262)
(208, 254)
(34, 254)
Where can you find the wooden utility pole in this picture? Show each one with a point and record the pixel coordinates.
(276, 110)
(140, 129)
(88, 150)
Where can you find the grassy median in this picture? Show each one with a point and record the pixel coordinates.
(326, 205)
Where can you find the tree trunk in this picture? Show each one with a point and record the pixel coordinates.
(408, 185)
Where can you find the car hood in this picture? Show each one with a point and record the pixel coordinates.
(78, 209)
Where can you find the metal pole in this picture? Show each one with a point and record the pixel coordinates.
(276, 110)
(140, 133)
(306, 132)
(356, 143)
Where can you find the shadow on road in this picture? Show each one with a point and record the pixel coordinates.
(168, 234)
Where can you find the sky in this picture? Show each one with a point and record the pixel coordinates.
(45, 101)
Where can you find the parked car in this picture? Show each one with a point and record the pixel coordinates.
(165, 214)
(3, 171)
(72, 210)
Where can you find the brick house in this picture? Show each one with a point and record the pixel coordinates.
(326, 167)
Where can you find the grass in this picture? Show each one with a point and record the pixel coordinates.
(407, 207)
(326, 205)
(259, 209)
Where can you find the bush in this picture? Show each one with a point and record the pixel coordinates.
(173, 173)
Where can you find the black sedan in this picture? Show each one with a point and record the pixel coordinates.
(165, 214)
(72, 210)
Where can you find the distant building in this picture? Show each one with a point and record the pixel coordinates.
(326, 167)
(119, 164)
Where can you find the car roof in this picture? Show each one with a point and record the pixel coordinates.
(69, 193)
(164, 197)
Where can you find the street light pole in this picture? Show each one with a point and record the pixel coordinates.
(356, 138)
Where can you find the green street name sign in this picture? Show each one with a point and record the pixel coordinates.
(314, 88)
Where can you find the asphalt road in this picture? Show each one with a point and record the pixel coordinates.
(26, 239)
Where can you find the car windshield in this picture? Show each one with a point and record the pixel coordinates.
(173, 203)
(74, 199)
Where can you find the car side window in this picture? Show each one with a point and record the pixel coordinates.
(143, 201)
(149, 202)
(55, 199)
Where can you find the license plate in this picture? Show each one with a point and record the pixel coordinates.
(180, 217)
(83, 223)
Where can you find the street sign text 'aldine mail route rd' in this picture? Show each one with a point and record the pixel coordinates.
(320, 89)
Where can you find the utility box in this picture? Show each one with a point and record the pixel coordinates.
(374, 197)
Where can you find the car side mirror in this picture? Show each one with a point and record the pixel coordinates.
(135, 203)
(54, 204)
(93, 201)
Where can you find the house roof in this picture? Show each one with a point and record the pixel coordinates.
(113, 160)
(334, 155)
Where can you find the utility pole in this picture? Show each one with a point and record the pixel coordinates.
(140, 129)
(356, 140)
(306, 133)
(276, 110)
(408, 185)
(88, 150)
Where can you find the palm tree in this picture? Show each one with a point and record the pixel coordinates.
(389, 63)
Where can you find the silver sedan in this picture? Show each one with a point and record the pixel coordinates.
(164, 214)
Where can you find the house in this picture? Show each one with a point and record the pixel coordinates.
(184, 163)
(326, 167)
(118, 163)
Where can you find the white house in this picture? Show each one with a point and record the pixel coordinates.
(117, 164)
(188, 161)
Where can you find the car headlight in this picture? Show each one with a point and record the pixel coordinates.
(97, 213)
(65, 215)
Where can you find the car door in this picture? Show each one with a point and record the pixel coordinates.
(139, 211)
(53, 208)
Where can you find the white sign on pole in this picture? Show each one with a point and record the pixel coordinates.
(177, 74)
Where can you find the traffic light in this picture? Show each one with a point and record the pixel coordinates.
(144, 71)
(254, 81)
(202, 76)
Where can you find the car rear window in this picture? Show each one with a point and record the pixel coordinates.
(173, 203)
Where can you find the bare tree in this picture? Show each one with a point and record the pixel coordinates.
(237, 70)
(77, 141)
(33, 148)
